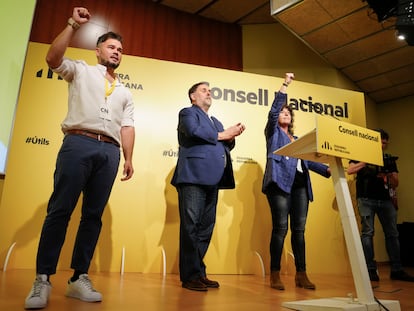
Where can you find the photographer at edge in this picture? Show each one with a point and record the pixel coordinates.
(375, 193)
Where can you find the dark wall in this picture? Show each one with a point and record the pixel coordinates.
(148, 29)
(406, 230)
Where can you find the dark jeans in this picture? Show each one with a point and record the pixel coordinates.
(387, 216)
(83, 165)
(197, 205)
(282, 205)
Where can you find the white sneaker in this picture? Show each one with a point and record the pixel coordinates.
(82, 289)
(39, 294)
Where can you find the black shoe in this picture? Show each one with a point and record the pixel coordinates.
(401, 276)
(195, 285)
(373, 275)
(209, 283)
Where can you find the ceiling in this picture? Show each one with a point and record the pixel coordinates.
(346, 34)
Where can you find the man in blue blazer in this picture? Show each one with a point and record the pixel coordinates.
(203, 167)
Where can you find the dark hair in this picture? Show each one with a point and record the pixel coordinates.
(109, 35)
(292, 116)
(383, 133)
(194, 88)
(270, 129)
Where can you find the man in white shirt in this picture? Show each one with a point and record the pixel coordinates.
(99, 120)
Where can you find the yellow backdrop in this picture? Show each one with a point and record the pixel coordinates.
(141, 220)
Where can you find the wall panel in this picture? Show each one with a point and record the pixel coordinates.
(149, 30)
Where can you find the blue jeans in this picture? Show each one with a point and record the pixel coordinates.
(83, 165)
(197, 205)
(387, 216)
(282, 205)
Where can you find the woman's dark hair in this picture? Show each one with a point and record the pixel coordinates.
(109, 35)
(292, 115)
(269, 130)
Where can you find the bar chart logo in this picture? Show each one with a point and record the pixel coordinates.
(50, 74)
(326, 145)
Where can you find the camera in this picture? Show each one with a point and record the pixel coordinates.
(390, 164)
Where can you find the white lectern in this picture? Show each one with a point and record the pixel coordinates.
(331, 141)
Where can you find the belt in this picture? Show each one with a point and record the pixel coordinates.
(99, 137)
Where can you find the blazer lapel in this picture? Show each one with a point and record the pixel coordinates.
(216, 124)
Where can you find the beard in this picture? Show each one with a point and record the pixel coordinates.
(109, 64)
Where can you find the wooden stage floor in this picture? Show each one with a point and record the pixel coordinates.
(147, 292)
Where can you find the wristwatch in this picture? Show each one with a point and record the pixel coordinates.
(73, 23)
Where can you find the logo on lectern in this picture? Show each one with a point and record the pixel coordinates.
(326, 145)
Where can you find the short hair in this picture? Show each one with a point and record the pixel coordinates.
(292, 117)
(194, 88)
(109, 35)
(383, 133)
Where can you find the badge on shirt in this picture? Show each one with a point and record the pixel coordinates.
(105, 112)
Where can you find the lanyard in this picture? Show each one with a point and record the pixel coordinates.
(109, 90)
